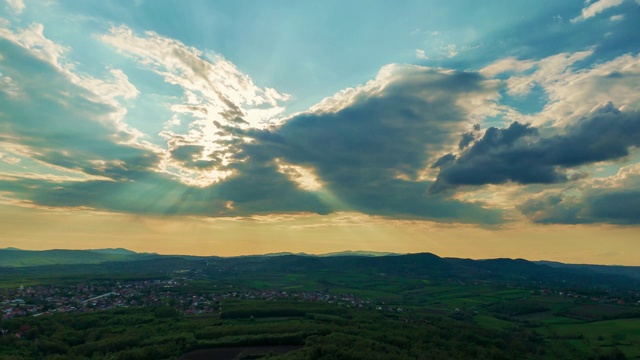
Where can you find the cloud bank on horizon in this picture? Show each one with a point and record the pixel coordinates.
(524, 112)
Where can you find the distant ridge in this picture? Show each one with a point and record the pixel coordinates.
(332, 254)
(630, 271)
(418, 266)
(114, 251)
(384, 262)
(285, 253)
(13, 257)
(359, 253)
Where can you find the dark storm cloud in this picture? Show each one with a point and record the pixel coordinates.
(466, 139)
(520, 154)
(620, 206)
(550, 209)
(394, 131)
(444, 161)
(258, 188)
(616, 206)
(369, 154)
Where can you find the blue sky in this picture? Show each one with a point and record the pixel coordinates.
(493, 118)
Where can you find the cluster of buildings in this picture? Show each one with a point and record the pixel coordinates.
(348, 300)
(600, 297)
(46, 299)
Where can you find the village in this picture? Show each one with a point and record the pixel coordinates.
(86, 297)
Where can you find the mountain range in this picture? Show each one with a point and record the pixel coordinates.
(425, 265)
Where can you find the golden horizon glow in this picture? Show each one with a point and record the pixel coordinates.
(39, 229)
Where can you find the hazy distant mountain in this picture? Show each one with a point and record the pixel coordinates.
(13, 257)
(630, 271)
(282, 254)
(339, 253)
(359, 253)
(114, 251)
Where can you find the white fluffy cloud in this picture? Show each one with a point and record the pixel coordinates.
(217, 97)
(36, 43)
(572, 93)
(476, 102)
(577, 93)
(109, 91)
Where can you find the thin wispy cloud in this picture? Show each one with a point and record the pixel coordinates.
(596, 8)
(17, 5)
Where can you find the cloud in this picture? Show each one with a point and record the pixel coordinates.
(9, 87)
(64, 122)
(108, 92)
(216, 96)
(33, 40)
(548, 70)
(466, 139)
(571, 92)
(152, 194)
(522, 154)
(509, 64)
(596, 8)
(611, 200)
(368, 146)
(304, 177)
(364, 149)
(17, 5)
(9, 159)
(451, 50)
(420, 54)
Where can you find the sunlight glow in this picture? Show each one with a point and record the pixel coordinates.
(304, 177)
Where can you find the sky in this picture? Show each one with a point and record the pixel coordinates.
(461, 128)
